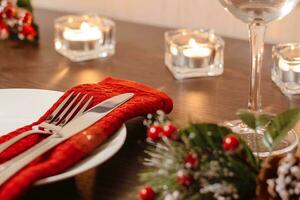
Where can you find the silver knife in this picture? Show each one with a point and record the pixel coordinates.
(90, 117)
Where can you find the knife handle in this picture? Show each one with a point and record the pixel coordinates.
(11, 167)
(8, 143)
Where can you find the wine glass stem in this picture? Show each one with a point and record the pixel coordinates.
(257, 34)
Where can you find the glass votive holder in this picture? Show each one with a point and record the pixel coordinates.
(84, 37)
(286, 67)
(194, 53)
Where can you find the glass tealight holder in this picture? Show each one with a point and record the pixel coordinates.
(286, 67)
(194, 53)
(84, 37)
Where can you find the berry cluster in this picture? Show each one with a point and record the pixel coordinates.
(210, 161)
(16, 22)
(188, 159)
(159, 126)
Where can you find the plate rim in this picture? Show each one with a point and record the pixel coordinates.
(33, 89)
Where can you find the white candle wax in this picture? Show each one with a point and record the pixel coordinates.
(85, 33)
(195, 50)
(284, 66)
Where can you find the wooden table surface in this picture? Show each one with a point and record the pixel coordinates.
(139, 57)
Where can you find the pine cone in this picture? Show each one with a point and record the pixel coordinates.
(279, 178)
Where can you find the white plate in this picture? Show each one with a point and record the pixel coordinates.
(19, 107)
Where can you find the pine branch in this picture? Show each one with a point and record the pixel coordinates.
(26, 4)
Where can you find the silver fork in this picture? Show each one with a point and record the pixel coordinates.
(55, 121)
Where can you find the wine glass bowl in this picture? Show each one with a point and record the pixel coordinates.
(259, 10)
(257, 13)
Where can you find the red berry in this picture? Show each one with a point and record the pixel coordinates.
(147, 193)
(28, 32)
(10, 10)
(27, 18)
(169, 130)
(154, 132)
(183, 178)
(231, 143)
(192, 160)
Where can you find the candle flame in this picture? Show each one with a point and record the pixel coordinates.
(193, 43)
(84, 26)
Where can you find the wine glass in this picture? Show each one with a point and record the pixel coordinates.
(257, 13)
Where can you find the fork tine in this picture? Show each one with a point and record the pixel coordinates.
(61, 105)
(83, 108)
(71, 113)
(64, 112)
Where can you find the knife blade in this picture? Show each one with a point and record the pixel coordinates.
(93, 115)
(77, 125)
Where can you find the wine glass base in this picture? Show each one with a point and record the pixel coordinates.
(288, 144)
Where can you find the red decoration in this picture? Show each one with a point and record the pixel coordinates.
(231, 143)
(18, 18)
(28, 32)
(192, 160)
(27, 18)
(154, 132)
(147, 193)
(10, 10)
(183, 178)
(170, 130)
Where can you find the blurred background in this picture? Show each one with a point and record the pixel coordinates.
(178, 14)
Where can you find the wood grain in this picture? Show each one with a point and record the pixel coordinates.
(139, 57)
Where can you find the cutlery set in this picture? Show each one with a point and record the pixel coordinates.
(55, 121)
(68, 119)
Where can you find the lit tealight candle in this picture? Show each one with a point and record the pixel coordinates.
(196, 50)
(85, 33)
(84, 37)
(193, 53)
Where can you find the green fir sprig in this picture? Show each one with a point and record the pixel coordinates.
(238, 168)
(208, 161)
(275, 128)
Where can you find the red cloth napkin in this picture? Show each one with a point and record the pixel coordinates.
(146, 100)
